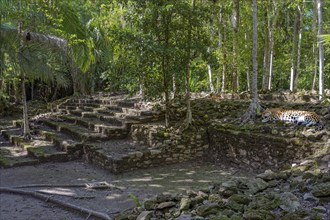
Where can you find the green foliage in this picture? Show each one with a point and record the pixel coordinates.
(135, 199)
(120, 45)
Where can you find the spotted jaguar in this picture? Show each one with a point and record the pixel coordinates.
(293, 116)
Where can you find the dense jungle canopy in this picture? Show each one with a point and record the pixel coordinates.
(59, 48)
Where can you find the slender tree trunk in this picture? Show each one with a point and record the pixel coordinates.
(271, 44)
(254, 57)
(235, 23)
(315, 51)
(223, 80)
(174, 88)
(223, 51)
(142, 86)
(209, 71)
(254, 105)
(165, 60)
(321, 49)
(247, 68)
(300, 27)
(294, 50)
(189, 112)
(26, 129)
(266, 51)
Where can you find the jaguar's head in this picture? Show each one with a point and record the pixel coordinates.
(266, 116)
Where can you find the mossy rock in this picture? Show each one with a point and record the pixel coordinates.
(259, 215)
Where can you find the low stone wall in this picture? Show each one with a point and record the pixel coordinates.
(169, 146)
(258, 151)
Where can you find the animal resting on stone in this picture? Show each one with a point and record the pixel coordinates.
(293, 116)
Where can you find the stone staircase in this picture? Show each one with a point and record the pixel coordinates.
(96, 128)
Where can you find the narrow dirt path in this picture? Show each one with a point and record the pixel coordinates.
(140, 183)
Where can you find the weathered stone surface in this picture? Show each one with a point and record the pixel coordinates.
(289, 202)
(240, 199)
(257, 185)
(164, 205)
(208, 209)
(267, 175)
(259, 215)
(321, 190)
(150, 204)
(185, 204)
(145, 215)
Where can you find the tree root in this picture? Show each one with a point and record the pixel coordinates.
(50, 185)
(251, 113)
(96, 185)
(56, 201)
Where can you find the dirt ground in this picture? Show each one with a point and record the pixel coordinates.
(140, 183)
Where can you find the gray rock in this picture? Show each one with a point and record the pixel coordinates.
(326, 177)
(240, 199)
(164, 205)
(184, 217)
(265, 201)
(259, 215)
(185, 204)
(208, 209)
(257, 185)
(321, 190)
(309, 197)
(124, 216)
(145, 215)
(289, 202)
(215, 198)
(150, 204)
(267, 175)
(320, 209)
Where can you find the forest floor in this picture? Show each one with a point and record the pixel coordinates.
(142, 184)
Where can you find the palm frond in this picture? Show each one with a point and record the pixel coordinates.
(325, 39)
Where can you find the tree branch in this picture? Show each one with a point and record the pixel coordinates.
(55, 201)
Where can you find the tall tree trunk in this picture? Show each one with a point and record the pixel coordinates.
(271, 43)
(266, 50)
(294, 50)
(221, 38)
(321, 49)
(300, 27)
(209, 71)
(166, 22)
(142, 86)
(26, 129)
(254, 105)
(235, 24)
(247, 68)
(188, 101)
(315, 43)
(174, 87)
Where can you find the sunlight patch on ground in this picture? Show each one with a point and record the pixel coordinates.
(59, 191)
(155, 185)
(143, 179)
(113, 196)
(183, 181)
(191, 172)
(204, 181)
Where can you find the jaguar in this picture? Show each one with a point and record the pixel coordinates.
(292, 116)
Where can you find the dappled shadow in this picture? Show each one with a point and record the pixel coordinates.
(143, 184)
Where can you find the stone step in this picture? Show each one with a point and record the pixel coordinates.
(94, 123)
(11, 156)
(145, 118)
(48, 153)
(84, 104)
(13, 134)
(121, 155)
(61, 141)
(76, 132)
